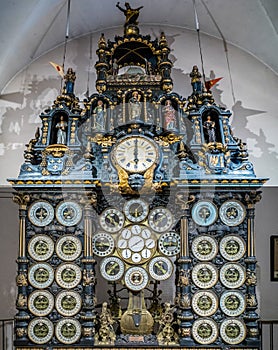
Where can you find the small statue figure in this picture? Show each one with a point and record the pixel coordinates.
(209, 125)
(131, 15)
(135, 106)
(169, 115)
(99, 114)
(62, 133)
(115, 67)
(106, 331)
(69, 81)
(196, 80)
(166, 333)
(149, 69)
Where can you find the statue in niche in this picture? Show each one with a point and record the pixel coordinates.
(196, 80)
(135, 106)
(169, 115)
(131, 15)
(115, 67)
(99, 114)
(209, 126)
(62, 131)
(69, 81)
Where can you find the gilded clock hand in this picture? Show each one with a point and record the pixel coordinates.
(112, 268)
(102, 244)
(160, 267)
(111, 220)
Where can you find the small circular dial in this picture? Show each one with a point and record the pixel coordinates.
(233, 331)
(136, 244)
(169, 243)
(103, 244)
(204, 303)
(204, 213)
(112, 220)
(204, 248)
(41, 213)
(68, 248)
(68, 213)
(41, 275)
(232, 213)
(232, 275)
(40, 330)
(136, 210)
(68, 331)
(204, 275)
(232, 247)
(68, 303)
(232, 303)
(160, 219)
(68, 275)
(112, 268)
(160, 268)
(135, 154)
(41, 247)
(136, 278)
(204, 331)
(41, 302)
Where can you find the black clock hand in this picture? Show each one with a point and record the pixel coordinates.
(136, 160)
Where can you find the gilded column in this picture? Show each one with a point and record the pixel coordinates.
(183, 289)
(88, 316)
(251, 317)
(22, 317)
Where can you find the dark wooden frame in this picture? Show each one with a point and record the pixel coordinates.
(274, 258)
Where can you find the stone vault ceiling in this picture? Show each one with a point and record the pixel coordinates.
(30, 28)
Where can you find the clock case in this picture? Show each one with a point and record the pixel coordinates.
(188, 170)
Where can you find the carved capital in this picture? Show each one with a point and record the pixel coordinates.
(252, 198)
(22, 200)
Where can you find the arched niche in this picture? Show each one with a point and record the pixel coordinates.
(59, 129)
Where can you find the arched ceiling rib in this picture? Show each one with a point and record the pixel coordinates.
(31, 27)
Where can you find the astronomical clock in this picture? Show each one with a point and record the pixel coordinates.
(136, 212)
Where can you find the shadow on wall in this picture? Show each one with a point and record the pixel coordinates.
(264, 149)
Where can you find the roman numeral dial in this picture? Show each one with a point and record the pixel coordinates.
(135, 154)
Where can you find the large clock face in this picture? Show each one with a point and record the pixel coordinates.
(135, 154)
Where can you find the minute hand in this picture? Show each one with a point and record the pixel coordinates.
(136, 160)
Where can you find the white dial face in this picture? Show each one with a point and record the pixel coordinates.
(135, 154)
(136, 278)
(112, 268)
(41, 275)
(233, 331)
(232, 275)
(68, 213)
(160, 219)
(204, 248)
(169, 243)
(68, 330)
(41, 247)
(204, 213)
(41, 213)
(41, 302)
(68, 248)
(112, 220)
(136, 244)
(160, 268)
(232, 213)
(40, 330)
(103, 244)
(136, 210)
(68, 275)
